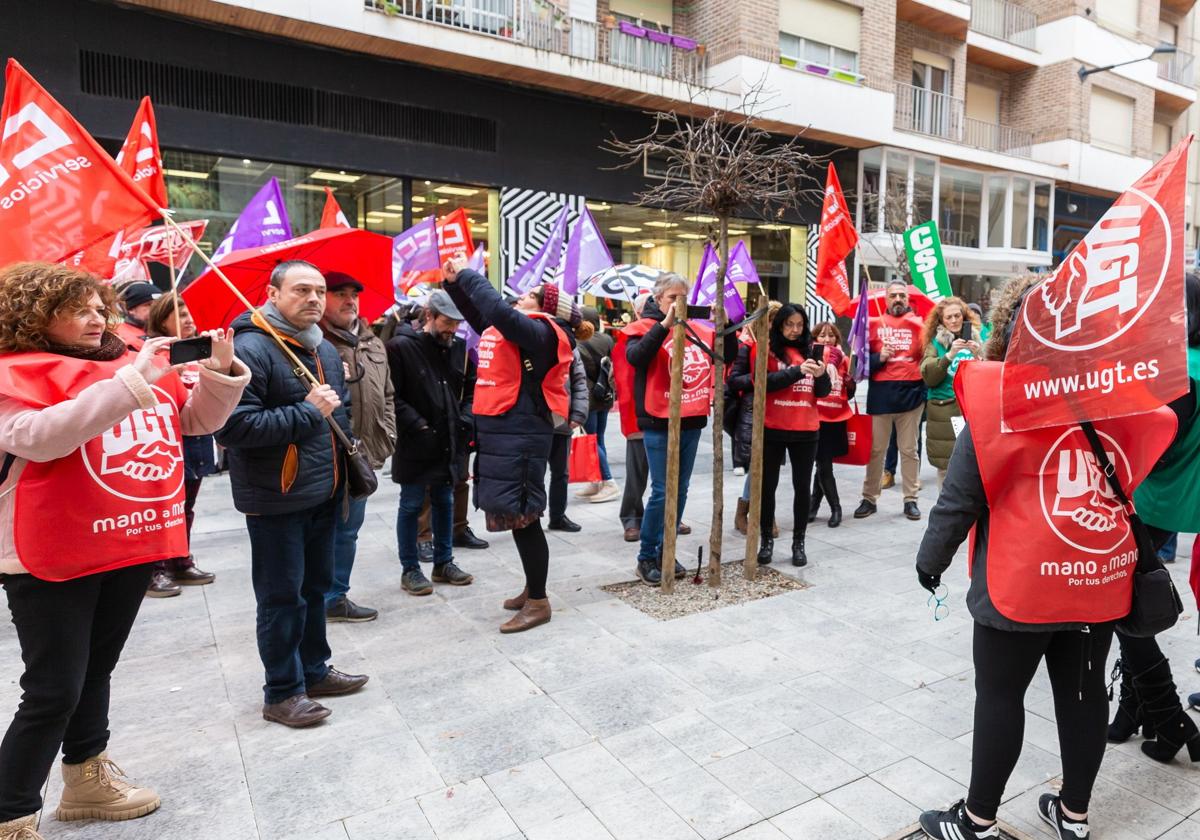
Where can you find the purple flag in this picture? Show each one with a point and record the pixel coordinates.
(477, 262)
(415, 249)
(860, 340)
(704, 291)
(741, 267)
(529, 273)
(263, 222)
(586, 253)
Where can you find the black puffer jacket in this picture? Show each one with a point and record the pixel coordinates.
(513, 448)
(283, 457)
(434, 385)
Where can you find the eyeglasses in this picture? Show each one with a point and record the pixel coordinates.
(937, 602)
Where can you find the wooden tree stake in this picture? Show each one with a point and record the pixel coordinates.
(761, 341)
(671, 513)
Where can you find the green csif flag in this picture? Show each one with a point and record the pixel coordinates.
(925, 261)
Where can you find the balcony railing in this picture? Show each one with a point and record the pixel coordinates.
(1004, 20)
(542, 26)
(925, 111)
(1178, 67)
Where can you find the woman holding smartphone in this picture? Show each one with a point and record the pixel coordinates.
(796, 379)
(834, 410)
(948, 342)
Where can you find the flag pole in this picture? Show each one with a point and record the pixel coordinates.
(174, 284)
(301, 368)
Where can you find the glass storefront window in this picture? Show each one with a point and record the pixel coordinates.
(922, 193)
(895, 194)
(868, 219)
(1020, 213)
(959, 207)
(997, 195)
(1041, 217)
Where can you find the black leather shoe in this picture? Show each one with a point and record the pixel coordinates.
(864, 510)
(191, 576)
(564, 524)
(336, 683)
(425, 551)
(911, 510)
(799, 558)
(835, 516)
(343, 609)
(296, 712)
(161, 586)
(766, 549)
(467, 539)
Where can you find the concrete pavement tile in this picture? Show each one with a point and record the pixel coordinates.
(641, 815)
(920, 785)
(698, 737)
(403, 820)
(760, 783)
(532, 794)
(557, 667)
(950, 758)
(811, 765)
(818, 819)
(709, 807)
(580, 825)
(735, 670)
(899, 730)
(1186, 830)
(951, 719)
(467, 811)
(593, 773)
(648, 754)
(823, 690)
(1147, 778)
(764, 715)
(634, 698)
(1113, 805)
(873, 806)
(853, 745)
(759, 831)
(465, 686)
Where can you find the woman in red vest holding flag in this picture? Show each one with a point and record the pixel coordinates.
(834, 408)
(1052, 561)
(796, 379)
(92, 494)
(521, 394)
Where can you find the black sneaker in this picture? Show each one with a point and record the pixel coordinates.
(910, 510)
(1194, 700)
(954, 824)
(449, 573)
(466, 539)
(864, 510)
(564, 524)
(649, 573)
(1068, 829)
(343, 609)
(415, 583)
(425, 551)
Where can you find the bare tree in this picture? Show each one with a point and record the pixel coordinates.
(722, 162)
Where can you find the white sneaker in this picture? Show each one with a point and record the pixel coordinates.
(609, 492)
(590, 489)
(739, 471)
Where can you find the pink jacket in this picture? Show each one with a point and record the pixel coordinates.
(46, 434)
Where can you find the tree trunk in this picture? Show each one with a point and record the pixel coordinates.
(761, 341)
(716, 533)
(671, 512)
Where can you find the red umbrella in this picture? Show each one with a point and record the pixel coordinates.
(918, 300)
(365, 256)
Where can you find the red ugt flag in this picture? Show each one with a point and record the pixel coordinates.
(59, 191)
(140, 157)
(1105, 335)
(838, 238)
(453, 236)
(332, 215)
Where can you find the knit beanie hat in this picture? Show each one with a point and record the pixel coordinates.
(555, 303)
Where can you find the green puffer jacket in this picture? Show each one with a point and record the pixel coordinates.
(938, 369)
(1169, 498)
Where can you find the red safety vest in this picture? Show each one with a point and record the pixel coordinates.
(903, 335)
(697, 373)
(501, 368)
(624, 381)
(117, 500)
(792, 409)
(1060, 548)
(835, 407)
(134, 337)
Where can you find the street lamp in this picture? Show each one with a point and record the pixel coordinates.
(1166, 48)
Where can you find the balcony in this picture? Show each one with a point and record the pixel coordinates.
(1006, 21)
(543, 26)
(1177, 67)
(940, 115)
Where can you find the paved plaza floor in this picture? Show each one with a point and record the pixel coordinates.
(833, 713)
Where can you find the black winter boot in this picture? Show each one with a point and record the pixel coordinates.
(1173, 729)
(1129, 717)
(799, 558)
(818, 491)
(766, 549)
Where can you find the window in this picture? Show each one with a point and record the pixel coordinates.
(1162, 139)
(1118, 14)
(1020, 213)
(922, 193)
(983, 103)
(997, 198)
(895, 193)
(823, 32)
(1110, 120)
(960, 198)
(1041, 217)
(658, 11)
(868, 220)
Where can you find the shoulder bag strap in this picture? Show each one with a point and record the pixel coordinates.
(1145, 563)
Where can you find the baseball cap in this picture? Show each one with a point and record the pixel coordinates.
(440, 302)
(136, 294)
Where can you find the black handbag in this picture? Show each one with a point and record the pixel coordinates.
(361, 480)
(1156, 603)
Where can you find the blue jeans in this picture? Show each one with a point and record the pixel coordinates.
(1166, 552)
(597, 422)
(656, 455)
(291, 567)
(345, 544)
(441, 510)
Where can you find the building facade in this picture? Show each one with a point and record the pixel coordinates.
(971, 114)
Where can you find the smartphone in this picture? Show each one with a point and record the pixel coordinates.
(817, 352)
(699, 313)
(966, 335)
(191, 350)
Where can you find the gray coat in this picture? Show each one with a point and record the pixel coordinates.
(579, 396)
(963, 503)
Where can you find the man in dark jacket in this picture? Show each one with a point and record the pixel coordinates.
(433, 381)
(286, 471)
(364, 361)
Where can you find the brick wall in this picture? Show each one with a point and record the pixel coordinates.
(876, 58)
(728, 29)
(997, 80)
(909, 37)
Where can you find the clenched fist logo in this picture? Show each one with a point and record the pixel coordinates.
(134, 458)
(1078, 501)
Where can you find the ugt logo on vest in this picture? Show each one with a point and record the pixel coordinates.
(133, 459)
(1109, 280)
(1078, 502)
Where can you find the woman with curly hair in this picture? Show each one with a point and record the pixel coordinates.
(91, 495)
(834, 410)
(949, 340)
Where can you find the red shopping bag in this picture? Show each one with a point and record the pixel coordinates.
(583, 464)
(858, 435)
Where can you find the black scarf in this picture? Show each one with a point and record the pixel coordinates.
(112, 347)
